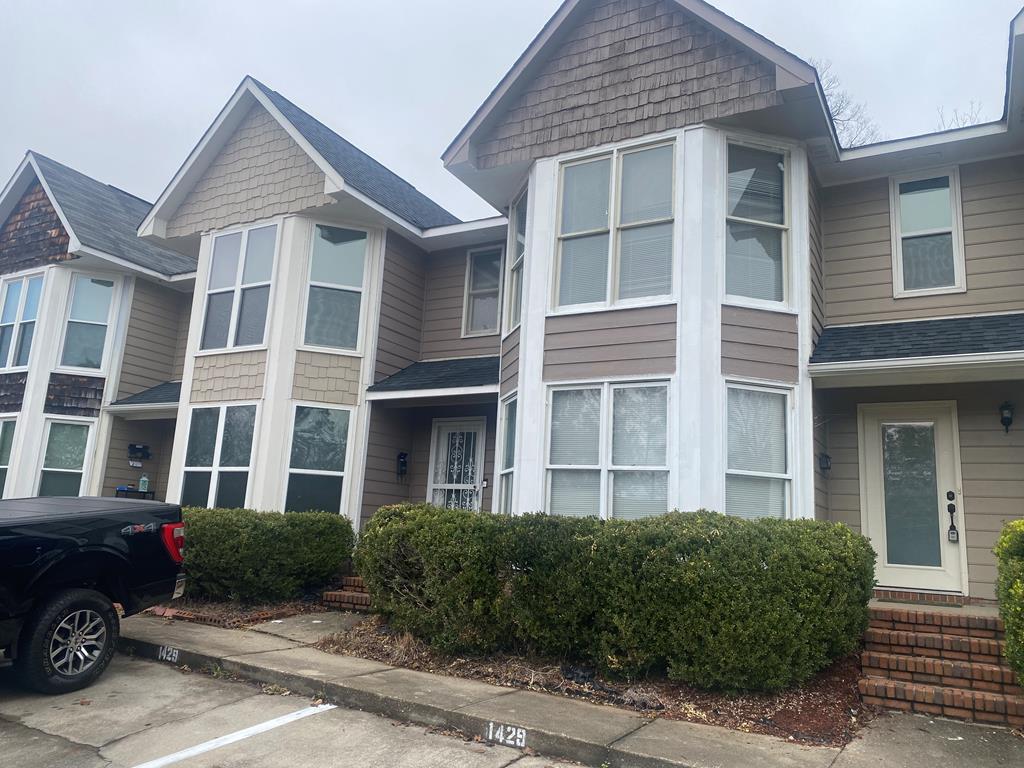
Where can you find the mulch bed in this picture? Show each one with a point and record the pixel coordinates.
(233, 615)
(826, 711)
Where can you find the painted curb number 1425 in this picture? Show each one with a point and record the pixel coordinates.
(508, 735)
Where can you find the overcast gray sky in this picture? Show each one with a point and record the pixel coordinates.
(123, 90)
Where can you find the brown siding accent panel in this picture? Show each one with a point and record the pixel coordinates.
(229, 376)
(615, 342)
(401, 307)
(153, 337)
(74, 395)
(858, 249)
(760, 344)
(33, 234)
(627, 68)
(442, 310)
(509, 375)
(12, 391)
(325, 378)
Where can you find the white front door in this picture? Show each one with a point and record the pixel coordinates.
(911, 506)
(457, 463)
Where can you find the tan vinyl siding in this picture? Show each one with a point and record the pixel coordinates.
(184, 320)
(153, 337)
(817, 259)
(992, 462)
(401, 306)
(326, 378)
(229, 376)
(759, 344)
(260, 172)
(158, 434)
(610, 343)
(390, 434)
(626, 68)
(442, 310)
(510, 363)
(858, 249)
(821, 489)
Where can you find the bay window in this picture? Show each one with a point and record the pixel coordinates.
(19, 307)
(517, 260)
(238, 288)
(758, 478)
(608, 450)
(85, 334)
(928, 249)
(757, 230)
(483, 287)
(67, 446)
(334, 302)
(615, 228)
(316, 466)
(508, 457)
(6, 441)
(218, 456)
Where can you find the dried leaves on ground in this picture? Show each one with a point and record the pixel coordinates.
(825, 711)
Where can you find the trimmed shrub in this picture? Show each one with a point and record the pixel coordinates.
(249, 556)
(1010, 590)
(714, 601)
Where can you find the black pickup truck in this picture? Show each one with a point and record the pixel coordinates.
(64, 563)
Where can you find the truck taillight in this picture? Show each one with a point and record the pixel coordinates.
(174, 540)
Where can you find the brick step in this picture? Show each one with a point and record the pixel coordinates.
(936, 645)
(917, 620)
(994, 678)
(353, 584)
(346, 600)
(977, 706)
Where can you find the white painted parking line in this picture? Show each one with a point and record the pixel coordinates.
(231, 738)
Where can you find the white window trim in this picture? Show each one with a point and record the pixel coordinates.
(612, 229)
(505, 474)
(344, 474)
(90, 448)
(115, 302)
(956, 230)
(13, 419)
(513, 263)
(774, 388)
(23, 278)
(215, 469)
(362, 290)
(604, 465)
(468, 292)
(469, 422)
(786, 305)
(237, 288)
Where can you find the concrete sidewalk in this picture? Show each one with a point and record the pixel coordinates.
(551, 725)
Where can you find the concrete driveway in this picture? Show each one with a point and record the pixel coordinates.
(144, 714)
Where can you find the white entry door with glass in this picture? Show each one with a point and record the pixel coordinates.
(911, 509)
(456, 463)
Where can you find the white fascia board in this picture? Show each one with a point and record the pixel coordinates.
(127, 266)
(141, 407)
(341, 188)
(903, 364)
(16, 186)
(923, 142)
(414, 394)
(493, 222)
(74, 244)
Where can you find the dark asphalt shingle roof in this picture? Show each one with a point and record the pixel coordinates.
(442, 374)
(362, 171)
(107, 219)
(921, 338)
(167, 393)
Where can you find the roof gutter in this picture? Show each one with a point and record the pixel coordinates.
(412, 394)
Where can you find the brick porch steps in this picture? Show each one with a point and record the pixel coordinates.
(940, 662)
(351, 597)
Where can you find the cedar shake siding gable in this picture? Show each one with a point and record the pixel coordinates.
(32, 235)
(12, 391)
(626, 68)
(74, 395)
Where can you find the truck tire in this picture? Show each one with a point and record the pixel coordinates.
(68, 642)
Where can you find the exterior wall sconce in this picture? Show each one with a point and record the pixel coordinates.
(824, 462)
(1006, 415)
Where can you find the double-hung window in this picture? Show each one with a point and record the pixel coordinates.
(238, 288)
(67, 445)
(334, 303)
(85, 336)
(757, 229)
(6, 440)
(508, 457)
(517, 261)
(483, 288)
(615, 228)
(19, 307)
(608, 450)
(758, 477)
(927, 242)
(218, 456)
(316, 467)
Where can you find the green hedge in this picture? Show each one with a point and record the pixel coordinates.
(712, 600)
(1010, 589)
(249, 556)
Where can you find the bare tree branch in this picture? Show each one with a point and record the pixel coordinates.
(960, 119)
(854, 126)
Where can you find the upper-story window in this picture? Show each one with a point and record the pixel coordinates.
(483, 287)
(85, 336)
(928, 248)
(517, 260)
(334, 303)
(18, 312)
(615, 228)
(238, 289)
(757, 230)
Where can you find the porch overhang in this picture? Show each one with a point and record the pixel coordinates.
(463, 377)
(944, 369)
(158, 402)
(441, 392)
